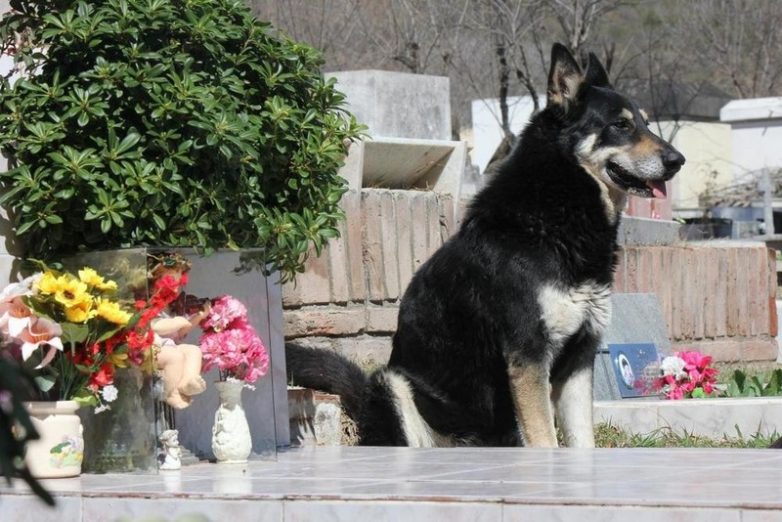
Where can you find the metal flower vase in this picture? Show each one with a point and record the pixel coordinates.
(231, 441)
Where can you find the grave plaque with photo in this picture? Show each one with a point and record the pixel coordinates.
(635, 366)
(636, 321)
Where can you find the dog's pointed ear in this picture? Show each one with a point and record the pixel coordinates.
(596, 74)
(564, 77)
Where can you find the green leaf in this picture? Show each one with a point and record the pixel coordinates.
(83, 120)
(74, 333)
(161, 224)
(698, 393)
(45, 382)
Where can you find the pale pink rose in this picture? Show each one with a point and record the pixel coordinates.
(41, 332)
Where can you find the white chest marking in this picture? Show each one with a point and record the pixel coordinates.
(565, 311)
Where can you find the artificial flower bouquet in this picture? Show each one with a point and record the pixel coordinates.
(69, 330)
(686, 375)
(73, 333)
(231, 344)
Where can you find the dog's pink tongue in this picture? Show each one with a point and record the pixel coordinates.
(658, 189)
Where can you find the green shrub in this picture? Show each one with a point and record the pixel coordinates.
(168, 122)
(743, 385)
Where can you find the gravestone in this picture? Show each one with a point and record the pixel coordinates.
(636, 320)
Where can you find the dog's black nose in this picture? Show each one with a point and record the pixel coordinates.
(672, 161)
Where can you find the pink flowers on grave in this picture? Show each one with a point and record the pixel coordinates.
(231, 344)
(686, 375)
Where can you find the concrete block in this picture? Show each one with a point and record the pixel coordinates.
(382, 319)
(404, 228)
(732, 325)
(407, 164)
(338, 262)
(447, 217)
(721, 302)
(353, 168)
(725, 350)
(434, 238)
(420, 233)
(390, 246)
(400, 105)
(372, 231)
(700, 291)
(325, 320)
(637, 231)
(351, 204)
(315, 418)
(312, 285)
(367, 350)
(759, 349)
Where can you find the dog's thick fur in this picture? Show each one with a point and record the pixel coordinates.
(498, 331)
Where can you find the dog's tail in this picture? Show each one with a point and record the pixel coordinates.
(329, 372)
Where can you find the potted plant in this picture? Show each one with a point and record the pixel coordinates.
(155, 123)
(138, 122)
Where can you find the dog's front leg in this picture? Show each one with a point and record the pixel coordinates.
(531, 392)
(573, 401)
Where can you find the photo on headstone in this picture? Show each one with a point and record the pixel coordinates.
(635, 365)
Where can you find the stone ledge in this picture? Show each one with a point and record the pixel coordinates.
(315, 417)
(733, 350)
(324, 321)
(713, 418)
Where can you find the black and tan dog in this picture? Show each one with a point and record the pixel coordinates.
(498, 331)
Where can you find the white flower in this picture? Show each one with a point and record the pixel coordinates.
(109, 393)
(673, 365)
(101, 408)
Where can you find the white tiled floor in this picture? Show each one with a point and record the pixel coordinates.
(465, 484)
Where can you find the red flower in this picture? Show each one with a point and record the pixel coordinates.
(103, 377)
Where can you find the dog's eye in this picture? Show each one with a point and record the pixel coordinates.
(623, 124)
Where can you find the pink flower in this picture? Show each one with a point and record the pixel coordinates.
(40, 332)
(237, 352)
(15, 315)
(695, 374)
(225, 311)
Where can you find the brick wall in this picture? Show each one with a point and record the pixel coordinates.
(348, 298)
(718, 298)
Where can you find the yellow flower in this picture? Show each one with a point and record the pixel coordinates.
(118, 360)
(71, 292)
(91, 278)
(80, 312)
(48, 283)
(112, 312)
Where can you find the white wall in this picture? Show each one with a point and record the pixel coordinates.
(486, 129)
(756, 133)
(707, 147)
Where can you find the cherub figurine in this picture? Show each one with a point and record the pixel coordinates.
(179, 364)
(172, 454)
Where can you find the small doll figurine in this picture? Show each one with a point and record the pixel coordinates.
(178, 363)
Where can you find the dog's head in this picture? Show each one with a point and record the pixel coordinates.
(606, 132)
